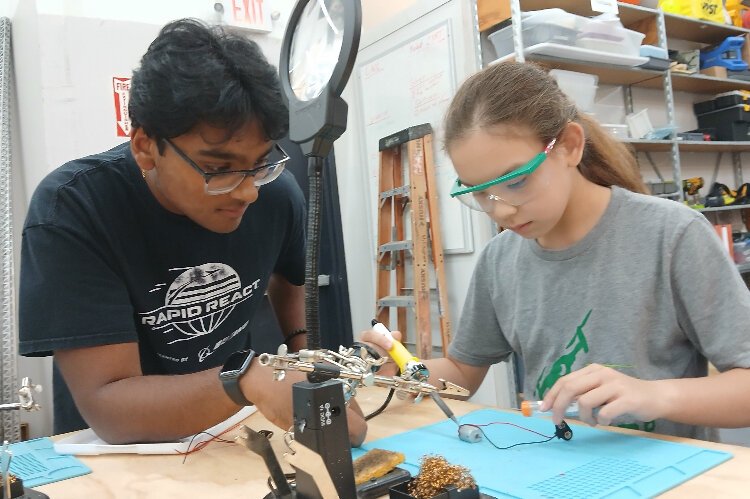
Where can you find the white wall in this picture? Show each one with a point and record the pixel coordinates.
(382, 18)
(65, 53)
(8, 8)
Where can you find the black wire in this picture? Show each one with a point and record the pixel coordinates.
(214, 438)
(382, 407)
(510, 446)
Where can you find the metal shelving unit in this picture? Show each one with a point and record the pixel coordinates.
(695, 30)
(701, 84)
(725, 208)
(649, 145)
(688, 146)
(629, 14)
(668, 25)
(607, 73)
(718, 146)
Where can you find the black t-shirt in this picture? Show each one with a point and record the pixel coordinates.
(103, 262)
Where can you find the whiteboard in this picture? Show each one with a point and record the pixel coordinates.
(407, 84)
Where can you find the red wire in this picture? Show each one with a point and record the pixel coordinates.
(200, 445)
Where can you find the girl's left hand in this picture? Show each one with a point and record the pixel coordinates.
(603, 394)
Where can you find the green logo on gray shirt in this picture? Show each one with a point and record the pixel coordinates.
(563, 365)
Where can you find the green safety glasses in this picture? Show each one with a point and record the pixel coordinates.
(514, 188)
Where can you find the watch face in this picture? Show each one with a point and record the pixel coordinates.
(237, 363)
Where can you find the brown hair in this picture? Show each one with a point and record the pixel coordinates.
(513, 93)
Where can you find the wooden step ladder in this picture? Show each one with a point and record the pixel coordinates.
(397, 189)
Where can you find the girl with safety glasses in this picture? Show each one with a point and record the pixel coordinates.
(612, 298)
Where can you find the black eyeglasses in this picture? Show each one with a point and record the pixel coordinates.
(223, 182)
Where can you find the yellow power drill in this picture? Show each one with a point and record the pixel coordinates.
(690, 187)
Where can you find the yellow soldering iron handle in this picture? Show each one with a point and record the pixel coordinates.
(398, 352)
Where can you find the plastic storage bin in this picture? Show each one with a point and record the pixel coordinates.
(619, 132)
(639, 124)
(551, 17)
(608, 37)
(549, 25)
(502, 40)
(705, 106)
(652, 51)
(580, 87)
(729, 99)
(657, 64)
(720, 101)
(731, 123)
(563, 28)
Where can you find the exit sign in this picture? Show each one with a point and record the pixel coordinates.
(253, 15)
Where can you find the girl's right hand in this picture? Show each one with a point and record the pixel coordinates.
(382, 345)
(604, 394)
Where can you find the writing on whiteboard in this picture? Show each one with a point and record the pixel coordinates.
(372, 70)
(409, 83)
(377, 118)
(428, 92)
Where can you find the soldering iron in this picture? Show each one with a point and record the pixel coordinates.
(410, 365)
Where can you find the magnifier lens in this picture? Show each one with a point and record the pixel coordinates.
(316, 46)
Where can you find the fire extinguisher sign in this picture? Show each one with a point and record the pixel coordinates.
(121, 91)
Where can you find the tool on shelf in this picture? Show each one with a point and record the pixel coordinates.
(727, 54)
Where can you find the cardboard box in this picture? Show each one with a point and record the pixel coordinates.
(717, 71)
(647, 27)
(492, 12)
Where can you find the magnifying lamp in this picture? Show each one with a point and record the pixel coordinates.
(317, 57)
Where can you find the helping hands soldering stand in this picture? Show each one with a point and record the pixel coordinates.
(317, 56)
(25, 397)
(11, 486)
(320, 415)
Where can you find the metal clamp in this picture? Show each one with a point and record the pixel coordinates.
(355, 367)
(25, 397)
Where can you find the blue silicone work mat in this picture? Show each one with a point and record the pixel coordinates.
(595, 463)
(37, 463)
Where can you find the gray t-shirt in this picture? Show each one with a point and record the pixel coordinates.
(649, 290)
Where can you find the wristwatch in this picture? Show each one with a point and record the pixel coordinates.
(234, 368)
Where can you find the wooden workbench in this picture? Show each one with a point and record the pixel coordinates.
(229, 470)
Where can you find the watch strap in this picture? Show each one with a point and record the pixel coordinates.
(232, 388)
(232, 384)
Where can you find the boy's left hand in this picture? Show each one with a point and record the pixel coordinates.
(608, 391)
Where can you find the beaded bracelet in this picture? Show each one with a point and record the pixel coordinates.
(294, 333)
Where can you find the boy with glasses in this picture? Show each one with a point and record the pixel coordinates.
(143, 266)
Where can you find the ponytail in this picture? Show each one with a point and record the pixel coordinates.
(525, 94)
(607, 161)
